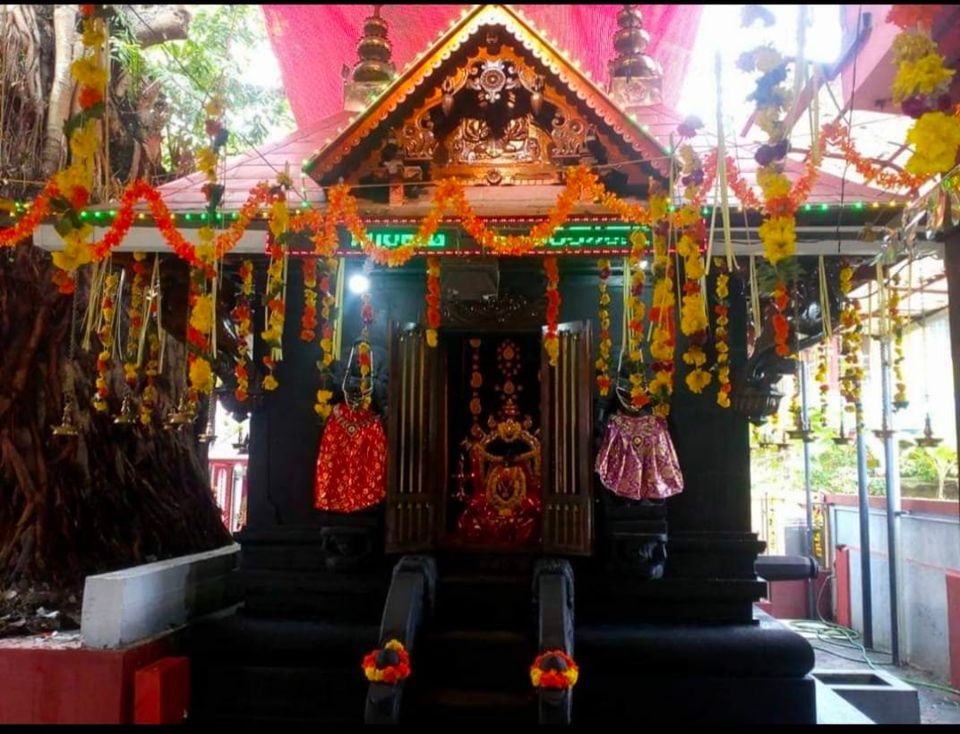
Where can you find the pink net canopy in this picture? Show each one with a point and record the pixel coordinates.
(313, 42)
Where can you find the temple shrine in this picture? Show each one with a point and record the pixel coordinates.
(493, 539)
(505, 337)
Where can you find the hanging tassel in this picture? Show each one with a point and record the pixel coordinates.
(825, 299)
(722, 174)
(755, 296)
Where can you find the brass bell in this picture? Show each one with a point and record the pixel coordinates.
(125, 418)
(182, 416)
(928, 441)
(67, 426)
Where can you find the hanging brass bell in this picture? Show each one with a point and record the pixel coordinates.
(928, 441)
(125, 417)
(67, 427)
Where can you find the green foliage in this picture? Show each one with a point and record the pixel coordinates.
(215, 56)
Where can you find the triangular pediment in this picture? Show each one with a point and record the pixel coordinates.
(491, 101)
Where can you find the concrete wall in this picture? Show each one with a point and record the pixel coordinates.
(930, 546)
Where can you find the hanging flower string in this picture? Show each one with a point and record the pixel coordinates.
(850, 321)
(107, 315)
(824, 386)
(605, 343)
(363, 348)
(242, 315)
(663, 338)
(433, 299)
(551, 342)
(327, 304)
(74, 183)
(921, 87)
(896, 321)
(131, 365)
(308, 319)
(693, 311)
(721, 331)
(635, 312)
(200, 326)
(279, 226)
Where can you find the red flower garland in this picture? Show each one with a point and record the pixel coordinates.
(242, 316)
(391, 673)
(551, 342)
(308, 319)
(561, 674)
(433, 299)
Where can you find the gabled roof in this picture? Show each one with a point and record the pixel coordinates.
(424, 69)
(245, 171)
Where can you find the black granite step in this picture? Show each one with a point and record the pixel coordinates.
(493, 601)
(488, 660)
(278, 694)
(464, 705)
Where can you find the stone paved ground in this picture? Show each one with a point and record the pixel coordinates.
(936, 707)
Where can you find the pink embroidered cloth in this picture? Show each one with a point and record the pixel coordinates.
(637, 459)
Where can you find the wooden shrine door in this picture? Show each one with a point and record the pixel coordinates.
(417, 440)
(566, 417)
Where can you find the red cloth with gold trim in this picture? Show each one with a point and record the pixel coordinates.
(352, 465)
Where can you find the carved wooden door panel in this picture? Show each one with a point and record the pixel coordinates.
(566, 414)
(416, 437)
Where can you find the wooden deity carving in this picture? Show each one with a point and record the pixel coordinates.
(505, 467)
(491, 121)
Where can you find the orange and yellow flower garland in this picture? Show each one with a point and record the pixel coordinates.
(74, 183)
(107, 315)
(308, 319)
(896, 322)
(554, 669)
(131, 367)
(328, 301)
(693, 312)
(605, 343)
(635, 311)
(242, 316)
(663, 338)
(433, 299)
(721, 332)
(852, 377)
(824, 386)
(363, 348)
(391, 665)
(199, 330)
(551, 342)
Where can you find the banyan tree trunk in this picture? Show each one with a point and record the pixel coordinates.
(111, 497)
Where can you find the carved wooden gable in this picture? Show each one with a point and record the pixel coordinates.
(492, 102)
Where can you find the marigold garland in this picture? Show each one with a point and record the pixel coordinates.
(328, 301)
(850, 338)
(363, 348)
(131, 366)
(921, 86)
(896, 322)
(390, 665)
(433, 299)
(551, 342)
(199, 329)
(605, 343)
(308, 319)
(242, 316)
(693, 312)
(74, 183)
(822, 380)
(721, 331)
(554, 669)
(107, 315)
(635, 311)
(663, 337)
